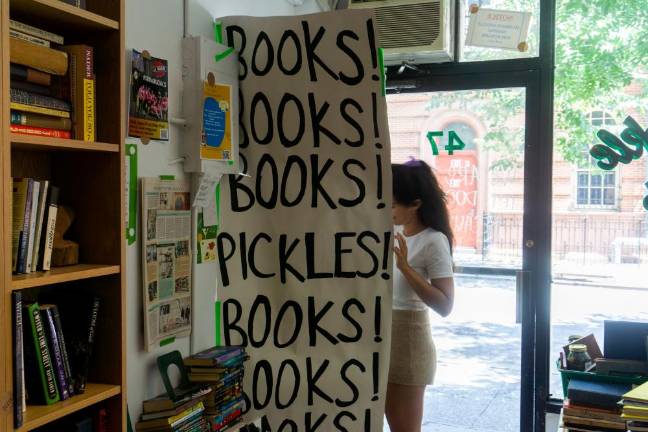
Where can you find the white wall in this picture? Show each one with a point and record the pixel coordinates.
(157, 26)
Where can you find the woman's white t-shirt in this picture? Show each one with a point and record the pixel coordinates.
(428, 252)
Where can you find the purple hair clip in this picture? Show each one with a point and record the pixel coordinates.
(413, 162)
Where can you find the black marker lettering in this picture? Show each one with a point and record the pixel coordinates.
(314, 317)
(311, 55)
(296, 381)
(311, 381)
(260, 98)
(350, 319)
(357, 180)
(289, 34)
(263, 38)
(352, 122)
(357, 79)
(230, 324)
(298, 320)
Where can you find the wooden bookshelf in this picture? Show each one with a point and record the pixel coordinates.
(61, 275)
(39, 415)
(30, 142)
(90, 177)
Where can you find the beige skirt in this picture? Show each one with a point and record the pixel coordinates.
(413, 355)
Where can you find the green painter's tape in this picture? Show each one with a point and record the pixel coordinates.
(167, 177)
(131, 223)
(381, 64)
(224, 54)
(645, 201)
(218, 37)
(218, 31)
(167, 341)
(217, 322)
(218, 221)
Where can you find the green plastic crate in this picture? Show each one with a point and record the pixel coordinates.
(567, 375)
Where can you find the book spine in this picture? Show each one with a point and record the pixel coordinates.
(40, 214)
(48, 245)
(15, 25)
(46, 371)
(31, 87)
(55, 350)
(29, 38)
(32, 226)
(40, 121)
(21, 267)
(88, 110)
(23, 73)
(27, 98)
(46, 132)
(18, 361)
(19, 197)
(39, 110)
(84, 362)
(64, 352)
(37, 57)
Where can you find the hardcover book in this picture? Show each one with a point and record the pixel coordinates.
(38, 57)
(34, 31)
(38, 131)
(40, 378)
(18, 361)
(27, 98)
(40, 121)
(19, 201)
(55, 350)
(64, 351)
(82, 90)
(23, 73)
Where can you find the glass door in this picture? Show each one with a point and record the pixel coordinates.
(475, 142)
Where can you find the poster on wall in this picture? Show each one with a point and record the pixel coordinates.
(304, 241)
(491, 28)
(166, 259)
(149, 97)
(216, 141)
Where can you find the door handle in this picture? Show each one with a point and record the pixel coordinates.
(522, 280)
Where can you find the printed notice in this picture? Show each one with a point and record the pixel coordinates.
(166, 259)
(216, 131)
(490, 28)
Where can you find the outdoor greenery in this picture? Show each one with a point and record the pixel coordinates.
(601, 48)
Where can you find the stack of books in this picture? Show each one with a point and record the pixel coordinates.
(222, 369)
(635, 408)
(594, 406)
(52, 85)
(35, 208)
(52, 346)
(163, 414)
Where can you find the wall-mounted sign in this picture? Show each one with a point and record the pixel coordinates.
(492, 28)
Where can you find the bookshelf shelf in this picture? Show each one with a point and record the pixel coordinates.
(61, 275)
(30, 142)
(61, 15)
(39, 415)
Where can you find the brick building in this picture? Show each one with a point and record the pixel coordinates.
(598, 215)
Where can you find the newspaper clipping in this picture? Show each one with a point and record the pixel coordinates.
(166, 259)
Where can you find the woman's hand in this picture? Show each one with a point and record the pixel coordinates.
(401, 252)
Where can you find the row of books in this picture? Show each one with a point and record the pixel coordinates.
(634, 409)
(52, 89)
(605, 406)
(34, 213)
(212, 402)
(221, 368)
(52, 346)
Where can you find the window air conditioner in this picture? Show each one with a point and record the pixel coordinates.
(413, 31)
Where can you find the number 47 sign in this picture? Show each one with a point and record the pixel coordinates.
(454, 142)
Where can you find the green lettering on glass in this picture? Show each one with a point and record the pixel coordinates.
(625, 149)
(454, 143)
(430, 137)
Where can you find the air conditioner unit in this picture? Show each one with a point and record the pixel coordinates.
(413, 31)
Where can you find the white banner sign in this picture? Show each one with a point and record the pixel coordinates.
(305, 253)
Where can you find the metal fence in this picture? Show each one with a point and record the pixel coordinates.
(580, 238)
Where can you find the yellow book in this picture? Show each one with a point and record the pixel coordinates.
(39, 110)
(638, 394)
